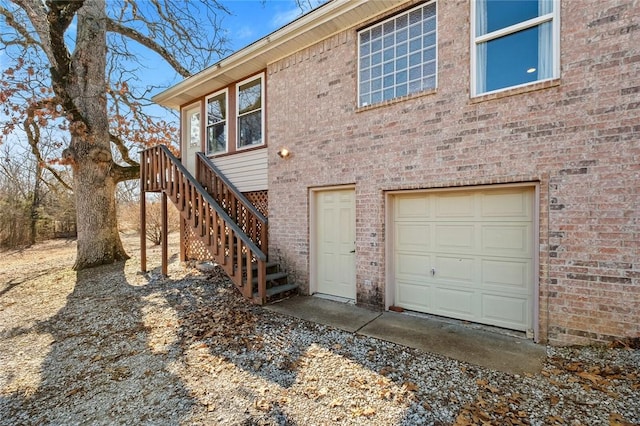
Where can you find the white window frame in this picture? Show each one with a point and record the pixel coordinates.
(553, 17)
(380, 23)
(262, 111)
(206, 122)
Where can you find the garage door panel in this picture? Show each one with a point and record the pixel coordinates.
(413, 236)
(454, 270)
(454, 302)
(512, 240)
(408, 293)
(504, 311)
(512, 275)
(506, 205)
(412, 207)
(458, 238)
(412, 266)
(457, 205)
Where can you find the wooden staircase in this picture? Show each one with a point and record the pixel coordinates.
(229, 226)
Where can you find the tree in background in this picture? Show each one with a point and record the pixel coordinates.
(15, 199)
(34, 205)
(75, 67)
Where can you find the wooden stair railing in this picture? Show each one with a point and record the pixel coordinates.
(230, 247)
(237, 206)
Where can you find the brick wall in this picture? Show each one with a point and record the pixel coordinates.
(578, 136)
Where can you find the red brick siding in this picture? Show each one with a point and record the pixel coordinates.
(578, 136)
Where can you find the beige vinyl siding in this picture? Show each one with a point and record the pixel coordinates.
(246, 170)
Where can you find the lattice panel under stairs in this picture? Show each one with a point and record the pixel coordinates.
(194, 248)
(260, 200)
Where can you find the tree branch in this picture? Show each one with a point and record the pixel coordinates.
(122, 173)
(20, 29)
(33, 137)
(123, 150)
(149, 43)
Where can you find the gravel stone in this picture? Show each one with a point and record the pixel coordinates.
(114, 346)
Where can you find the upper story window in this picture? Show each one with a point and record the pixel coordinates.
(397, 57)
(514, 42)
(250, 117)
(217, 123)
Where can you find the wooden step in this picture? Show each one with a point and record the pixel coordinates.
(268, 265)
(274, 291)
(272, 277)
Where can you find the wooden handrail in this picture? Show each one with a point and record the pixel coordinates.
(237, 206)
(230, 247)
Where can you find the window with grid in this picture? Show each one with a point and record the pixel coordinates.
(217, 123)
(250, 120)
(514, 43)
(397, 57)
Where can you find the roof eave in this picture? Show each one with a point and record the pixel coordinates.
(316, 25)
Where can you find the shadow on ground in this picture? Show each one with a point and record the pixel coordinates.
(99, 369)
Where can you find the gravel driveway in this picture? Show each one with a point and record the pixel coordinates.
(113, 346)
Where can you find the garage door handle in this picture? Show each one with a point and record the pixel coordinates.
(433, 272)
(353, 251)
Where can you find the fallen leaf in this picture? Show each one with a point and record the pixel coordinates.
(386, 370)
(74, 391)
(263, 404)
(574, 366)
(593, 378)
(616, 419)
(335, 403)
(412, 387)
(385, 394)
(554, 420)
(492, 389)
(368, 412)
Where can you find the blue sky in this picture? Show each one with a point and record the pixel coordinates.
(252, 20)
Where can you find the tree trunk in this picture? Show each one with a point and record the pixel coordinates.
(35, 205)
(98, 239)
(90, 150)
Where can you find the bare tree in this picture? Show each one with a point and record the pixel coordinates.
(33, 201)
(15, 198)
(75, 65)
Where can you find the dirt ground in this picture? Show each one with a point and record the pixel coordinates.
(112, 345)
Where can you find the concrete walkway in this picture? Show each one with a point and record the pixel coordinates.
(452, 339)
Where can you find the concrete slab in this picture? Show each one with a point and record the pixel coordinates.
(344, 316)
(475, 346)
(451, 339)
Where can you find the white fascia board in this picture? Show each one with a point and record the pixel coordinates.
(256, 56)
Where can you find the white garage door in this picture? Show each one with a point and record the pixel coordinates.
(466, 255)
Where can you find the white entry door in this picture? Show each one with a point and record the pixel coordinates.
(466, 255)
(191, 139)
(336, 242)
